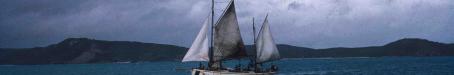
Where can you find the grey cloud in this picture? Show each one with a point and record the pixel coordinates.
(356, 23)
(308, 23)
(145, 20)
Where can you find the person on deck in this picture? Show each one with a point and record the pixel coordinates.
(273, 68)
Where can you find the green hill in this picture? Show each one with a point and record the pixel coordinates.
(83, 50)
(403, 47)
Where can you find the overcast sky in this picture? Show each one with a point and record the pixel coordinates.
(306, 23)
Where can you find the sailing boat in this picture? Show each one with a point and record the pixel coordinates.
(227, 44)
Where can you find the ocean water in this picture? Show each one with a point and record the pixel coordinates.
(322, 66)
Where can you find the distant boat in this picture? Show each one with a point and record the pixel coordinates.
(227, 44)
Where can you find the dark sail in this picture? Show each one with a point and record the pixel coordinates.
(227, 38)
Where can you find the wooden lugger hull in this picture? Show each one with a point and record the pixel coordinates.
(225, 72)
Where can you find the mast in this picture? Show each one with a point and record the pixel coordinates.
(254, 47)
(211, 42)
(253, 30)
(253, 36)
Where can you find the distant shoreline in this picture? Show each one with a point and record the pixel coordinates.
(87, 51)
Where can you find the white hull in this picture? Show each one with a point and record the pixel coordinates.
(225, 72)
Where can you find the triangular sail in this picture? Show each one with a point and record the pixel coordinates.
(227, 38)
(266, 48)
(200, 48)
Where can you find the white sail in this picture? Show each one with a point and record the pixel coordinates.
(266, 48)
(200, 48)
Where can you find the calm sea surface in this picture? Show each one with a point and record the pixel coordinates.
(335, 66)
